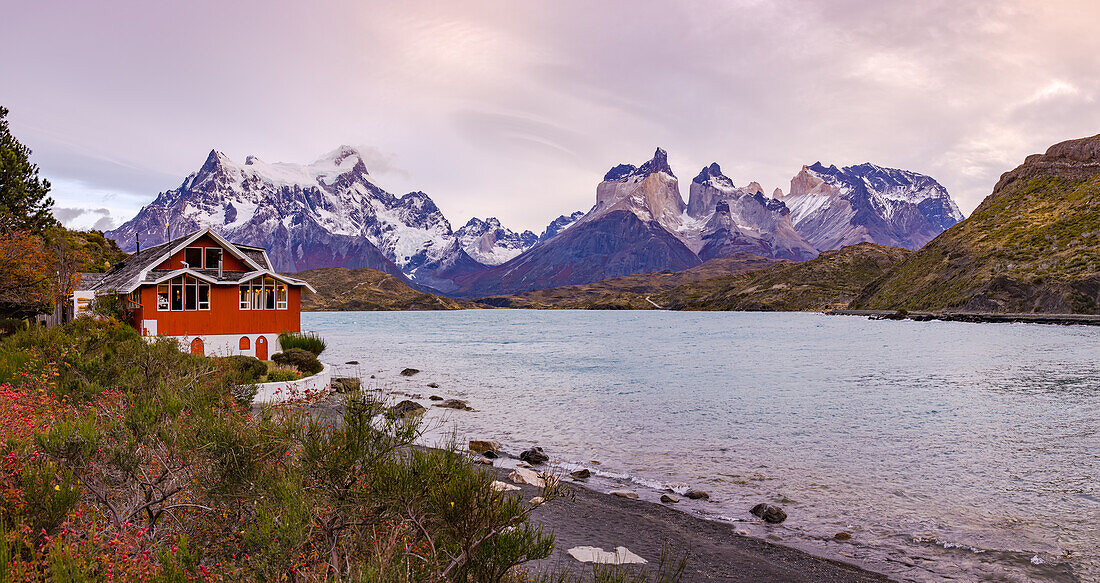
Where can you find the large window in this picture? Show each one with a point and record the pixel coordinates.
(263, 294)
(183, 293)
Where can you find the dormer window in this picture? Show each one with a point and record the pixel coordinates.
(192, 256)
(213, 257)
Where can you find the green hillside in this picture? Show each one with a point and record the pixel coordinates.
(1033, 245)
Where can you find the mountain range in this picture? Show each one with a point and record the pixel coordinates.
(331, 213)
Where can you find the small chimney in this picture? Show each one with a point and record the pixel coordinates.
(137, 238)
(221, 261)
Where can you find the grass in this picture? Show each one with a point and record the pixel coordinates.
(308, 341)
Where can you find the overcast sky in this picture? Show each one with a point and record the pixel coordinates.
(516, 109)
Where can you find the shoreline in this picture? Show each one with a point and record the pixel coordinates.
(968, 317)
(974, 317)
(716, 551)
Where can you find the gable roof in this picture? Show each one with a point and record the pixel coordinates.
(134, 271)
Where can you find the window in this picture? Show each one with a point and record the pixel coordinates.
(184, 293)
(264, 294)
(280, 296)
(244, 344)
(213, 257)
(269, 293)
(192, 256)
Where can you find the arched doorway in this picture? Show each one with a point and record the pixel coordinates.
(244, 344)
(197, 347)
(261, 348)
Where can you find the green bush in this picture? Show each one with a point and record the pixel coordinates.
(280, 374)
(246, 369)
(302, 360)
(310, 341)
(111, 305)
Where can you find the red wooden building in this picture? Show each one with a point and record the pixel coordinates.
(216, 297)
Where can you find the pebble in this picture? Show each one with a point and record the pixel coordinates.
(669, 499)
(580, 474)
(631, 494)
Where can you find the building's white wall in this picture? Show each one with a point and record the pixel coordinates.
(268, 393)
(228, 344)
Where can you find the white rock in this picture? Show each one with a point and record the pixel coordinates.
(526, 476)
(625, 494)
(499, 486)
(537, 501)
(621, 556)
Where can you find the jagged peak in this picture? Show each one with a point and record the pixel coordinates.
(713, 173)
(215, 160)
(658, 163)
(619, 172)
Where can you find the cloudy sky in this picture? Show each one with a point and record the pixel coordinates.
(516, 109)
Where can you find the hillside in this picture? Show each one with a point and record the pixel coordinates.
(341, 289)
(831, 280)
(1033, 245)
(629, 291)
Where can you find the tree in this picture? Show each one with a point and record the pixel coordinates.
(25, 268)
(24, 204)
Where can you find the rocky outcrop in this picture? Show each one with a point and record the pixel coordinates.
(650, 191)
(834, 207)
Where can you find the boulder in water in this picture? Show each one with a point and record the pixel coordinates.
(768, 513)
(406, 408)
(697, 495)
(483, 445)
(408, 372)
(580, 474)
(669, 499)
(535, 455)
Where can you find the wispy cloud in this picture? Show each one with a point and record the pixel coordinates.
(517, 109)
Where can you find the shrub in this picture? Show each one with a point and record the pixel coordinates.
(110, 305)
(162, 476)
(279, 374)
(309, 341)
(302, 360)
(246, 369)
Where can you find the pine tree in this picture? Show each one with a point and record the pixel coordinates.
(24, 204)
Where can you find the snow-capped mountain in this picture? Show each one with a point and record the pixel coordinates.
(723, 219)
(324, 214)
(629, 230)
(560, 224)
(832, 207)
(491, 244)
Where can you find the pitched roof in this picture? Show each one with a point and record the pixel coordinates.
(137, 269)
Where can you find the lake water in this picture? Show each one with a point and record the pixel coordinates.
(947, 450)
